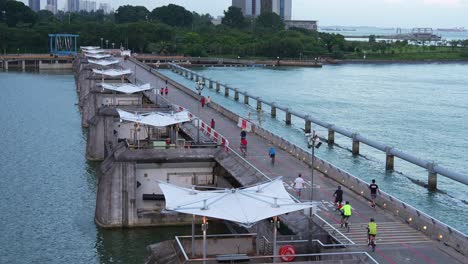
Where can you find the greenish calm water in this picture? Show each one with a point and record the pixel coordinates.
(421, 109)
(47, 188)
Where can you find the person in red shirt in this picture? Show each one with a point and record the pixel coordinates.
(243, 146)
(202, 101)
(212, 123)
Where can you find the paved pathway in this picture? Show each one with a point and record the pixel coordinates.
(396, 242)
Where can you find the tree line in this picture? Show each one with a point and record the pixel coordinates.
(172, 29)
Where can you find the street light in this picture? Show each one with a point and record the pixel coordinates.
(101, 43)
(107, 44)
(200, 84)
(277, 61)
(313, 142)
(113, 44)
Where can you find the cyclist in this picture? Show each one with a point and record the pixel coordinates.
(371, 233)
(345, 214)
(272, 154)
(243, 146)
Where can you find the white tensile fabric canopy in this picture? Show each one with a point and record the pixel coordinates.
(245, 206)
(156, 119)
(95, 51)
(103, 62)
(126, 87)
(112, 72)
(86, 48)
(98, 56)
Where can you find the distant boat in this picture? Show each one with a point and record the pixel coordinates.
(457, 29)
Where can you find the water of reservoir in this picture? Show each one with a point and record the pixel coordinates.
(421, 109)
(47, 188)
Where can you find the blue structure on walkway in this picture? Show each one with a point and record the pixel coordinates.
(63, 44)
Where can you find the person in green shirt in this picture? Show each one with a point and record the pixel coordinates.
(371, 233)
(346, 212)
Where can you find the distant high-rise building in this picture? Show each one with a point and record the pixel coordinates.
(255, 7)
(88, 6)
(73, 5)
(35, 5)
(105, 7)
(52, 6)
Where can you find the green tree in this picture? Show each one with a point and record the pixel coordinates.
(173, 15)
(17, 13)
(233, 17)
(271, 21)
(128, 13)
(372, 39)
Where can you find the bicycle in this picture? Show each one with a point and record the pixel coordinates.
(272, 157)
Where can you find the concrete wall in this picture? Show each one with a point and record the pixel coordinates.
(221, 245)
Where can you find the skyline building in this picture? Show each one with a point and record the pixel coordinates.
(88, 6)
(105, 7)
(73, 5)
(52, 6)
(255, 7)
(35, 5)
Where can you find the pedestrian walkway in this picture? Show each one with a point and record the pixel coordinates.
(407, 251)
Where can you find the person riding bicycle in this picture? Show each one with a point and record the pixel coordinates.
(272, 154)
(346, 212)
(371, 233)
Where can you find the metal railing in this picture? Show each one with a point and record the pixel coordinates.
(431, 166)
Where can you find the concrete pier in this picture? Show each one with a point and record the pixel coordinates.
(236, 95)
(246, 99)
(218, 87)
(355, 148)
(331, 136)
(226, 91)
(288, 117)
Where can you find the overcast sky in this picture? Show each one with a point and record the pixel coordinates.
(384, 13)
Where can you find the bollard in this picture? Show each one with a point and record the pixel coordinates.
(432, 177)
(259, 105)
(273, 110)
(217, 87)
(389, 161)
(246, 99)
(236, 95)
(226, 91)
(288, 117)
(308, 125)
(331, 136)
(355, 145)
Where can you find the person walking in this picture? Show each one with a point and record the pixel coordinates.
(212, 125)
(166, 90)
(338, 194)
(161, 91)
(243, 146)
(346, 212)
(272, 154)
(208, 101)
(299, 185)
(374, 188)
(202, 101)
(371, 233)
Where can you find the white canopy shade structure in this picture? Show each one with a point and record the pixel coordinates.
(112, 72)
(103, 62)
(86, 48)
(245, 206)
(156, 119)
(98, 56)
(126, 87)
(95, 51)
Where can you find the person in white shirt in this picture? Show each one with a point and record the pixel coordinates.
(299, 185)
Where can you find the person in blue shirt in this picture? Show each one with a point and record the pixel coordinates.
(272, 154)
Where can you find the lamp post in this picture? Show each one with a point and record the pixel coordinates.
(113, 45)
(101, 43)
(199, 86)
(107, 44)
(277, 61)
(312, 143)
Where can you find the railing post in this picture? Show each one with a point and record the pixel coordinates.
(308, 125)
(226, 91)
(217, 87)
(288, 117)
(432, 177)
(259, 104)
(389, 161)
(331, 135)
(273, 110)
(211, 84)
(236, 94)
(355, 144)
(196, 77)
(246, 99)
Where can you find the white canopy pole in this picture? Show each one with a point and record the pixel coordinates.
(204, 228)
(275, 233)
(193, 236)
